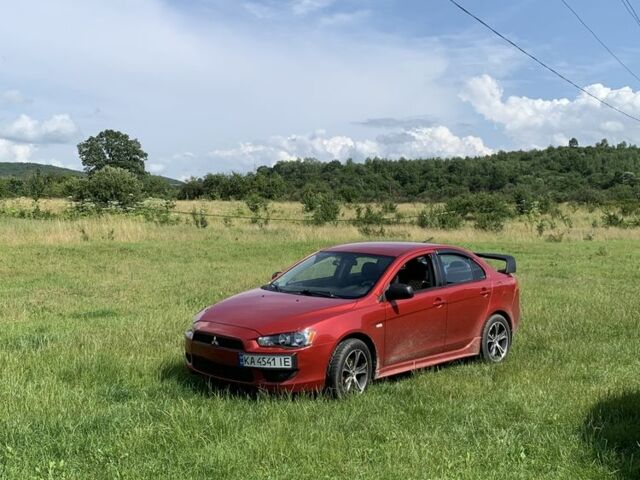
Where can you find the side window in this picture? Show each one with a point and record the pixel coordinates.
(460, 269)
(417, 273)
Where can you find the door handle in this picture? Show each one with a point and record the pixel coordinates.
(438, 302)
(484, 291)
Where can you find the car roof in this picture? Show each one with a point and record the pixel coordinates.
(394, 249)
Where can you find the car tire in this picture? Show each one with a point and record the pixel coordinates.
(496, 339)
(350, 369)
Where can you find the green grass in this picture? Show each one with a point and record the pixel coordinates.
(93, 383)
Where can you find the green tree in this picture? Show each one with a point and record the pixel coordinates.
(573, 143)
(36, 185)
(114, 186)
(157, 187)
(114, 149)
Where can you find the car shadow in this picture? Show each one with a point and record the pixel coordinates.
(178, 373)
(404, 376)
(612, 430)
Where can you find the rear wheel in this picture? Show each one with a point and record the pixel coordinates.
(496, 339)
(350, 368)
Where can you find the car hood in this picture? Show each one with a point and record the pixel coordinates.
(269, 312)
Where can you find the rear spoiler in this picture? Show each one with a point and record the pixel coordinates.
(510, 262)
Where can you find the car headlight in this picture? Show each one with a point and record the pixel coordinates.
(288, 340)
(200, 314)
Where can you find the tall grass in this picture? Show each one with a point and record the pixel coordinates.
(92, 381)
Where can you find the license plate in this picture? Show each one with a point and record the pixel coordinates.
(283, 362)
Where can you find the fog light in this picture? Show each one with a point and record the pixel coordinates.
(189, 334)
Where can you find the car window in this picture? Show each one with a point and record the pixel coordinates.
(417, 273)
(339, 274)
(321, 268)
(460, 268)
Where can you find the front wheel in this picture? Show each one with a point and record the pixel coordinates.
(350, 368)
(496, 339)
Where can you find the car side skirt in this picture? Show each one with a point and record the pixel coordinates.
(470, 350)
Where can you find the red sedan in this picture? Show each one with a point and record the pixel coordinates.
(352, 313)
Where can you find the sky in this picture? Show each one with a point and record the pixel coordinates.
(222, 86)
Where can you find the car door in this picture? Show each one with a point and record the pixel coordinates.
(415, 327)
(468, 295)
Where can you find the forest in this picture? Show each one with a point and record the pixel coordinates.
(598, 175)
(593, 175)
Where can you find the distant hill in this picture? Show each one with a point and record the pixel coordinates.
(21, 170)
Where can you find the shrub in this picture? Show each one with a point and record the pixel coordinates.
(612, 219)
(489, 222)
(368, 216)
(439, 217)
(199, 218)
(113, 186)
(389, 206)
(259, 208)
(327, 210)
(159, 213)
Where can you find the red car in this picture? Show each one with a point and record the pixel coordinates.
(349, 314)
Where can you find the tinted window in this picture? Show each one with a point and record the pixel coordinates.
(339, 274)
(460, 269)
(417, 273)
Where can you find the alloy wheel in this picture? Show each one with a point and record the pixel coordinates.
(355, 372)
(497, 341)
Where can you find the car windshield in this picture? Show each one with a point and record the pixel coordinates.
(333, 274)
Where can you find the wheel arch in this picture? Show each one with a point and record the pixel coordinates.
(506, 316)
(368, 341)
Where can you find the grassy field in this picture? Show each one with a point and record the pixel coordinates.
(93, 383)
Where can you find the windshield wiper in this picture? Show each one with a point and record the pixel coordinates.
(317, 293)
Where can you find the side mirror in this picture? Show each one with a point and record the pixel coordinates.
(275, 274)
(398, 291)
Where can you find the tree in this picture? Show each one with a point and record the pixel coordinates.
(573, 143)
(114, 149)
(113, 185)
(36, 185)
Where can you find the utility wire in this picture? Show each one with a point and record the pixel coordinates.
(599, 40)
(631, 10)
(541, 63)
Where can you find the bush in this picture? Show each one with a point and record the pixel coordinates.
(259, 208)
(159, 213)
(199, 218)
(323, 207)
(115, 187)
(612, 219)
(489, 222)
(368, 216)
(439, 217)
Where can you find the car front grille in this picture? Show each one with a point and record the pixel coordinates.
(224, 342)
(220, 370)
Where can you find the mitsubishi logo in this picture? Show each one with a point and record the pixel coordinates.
(214, 340)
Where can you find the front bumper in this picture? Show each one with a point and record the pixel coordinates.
(222, 361)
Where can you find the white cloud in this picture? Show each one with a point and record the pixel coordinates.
(412, 143)
(57, 129)
(14, 152)
(538, 123)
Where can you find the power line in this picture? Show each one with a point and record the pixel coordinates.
(599, 40)
(631, 10)
(541, 63)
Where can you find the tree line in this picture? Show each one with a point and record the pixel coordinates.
(594, 174)
(115, 173)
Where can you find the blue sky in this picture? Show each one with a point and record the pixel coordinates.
(212, 85)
